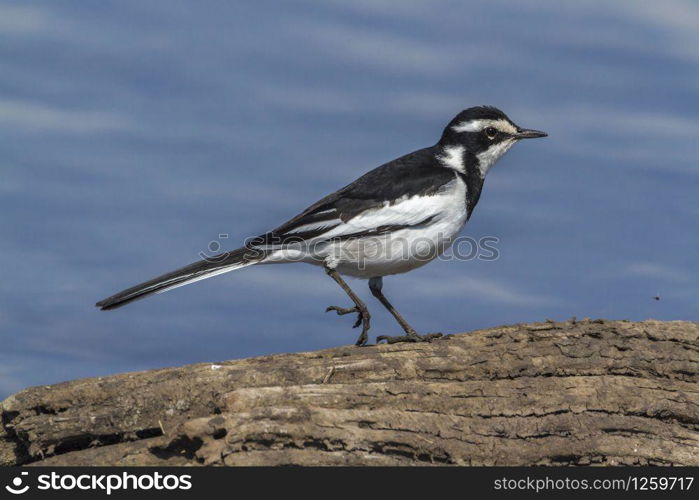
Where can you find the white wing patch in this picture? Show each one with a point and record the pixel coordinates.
(314, 226)
(405, 212)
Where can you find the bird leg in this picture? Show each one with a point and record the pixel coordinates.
(375, 285)
(363, 317)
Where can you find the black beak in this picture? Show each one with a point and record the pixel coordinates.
(525, 133)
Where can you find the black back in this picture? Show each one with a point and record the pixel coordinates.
(417, 173)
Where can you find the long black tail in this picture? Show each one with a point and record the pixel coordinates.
(203, 269)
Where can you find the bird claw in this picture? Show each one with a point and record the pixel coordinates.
(363, 339)
(341, 311)
(409, 337)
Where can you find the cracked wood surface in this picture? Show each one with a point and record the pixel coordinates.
(587, 392)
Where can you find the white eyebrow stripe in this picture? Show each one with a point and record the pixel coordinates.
(478, 125)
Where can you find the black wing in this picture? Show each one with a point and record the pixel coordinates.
(417, 173)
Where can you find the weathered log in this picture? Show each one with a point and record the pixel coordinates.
(587, 392)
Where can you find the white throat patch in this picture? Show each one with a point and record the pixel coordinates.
(453, 157)
(487, 158)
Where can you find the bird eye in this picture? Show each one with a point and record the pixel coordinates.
(491, 132)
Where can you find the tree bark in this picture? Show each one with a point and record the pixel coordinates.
(587, 392)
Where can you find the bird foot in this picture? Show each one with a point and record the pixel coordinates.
(409, 337)
(341, 311)
(362, 319)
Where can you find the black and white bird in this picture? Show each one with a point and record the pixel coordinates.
(391, 220)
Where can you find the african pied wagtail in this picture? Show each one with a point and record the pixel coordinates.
(391, 220)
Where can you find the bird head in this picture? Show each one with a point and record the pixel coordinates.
(477, 138)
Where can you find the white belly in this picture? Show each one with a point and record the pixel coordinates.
(393, 253)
